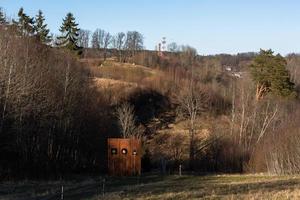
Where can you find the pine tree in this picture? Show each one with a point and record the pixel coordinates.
(41, 28)
(271, 76)
(69, 31)
(2, 17)
(25, 23)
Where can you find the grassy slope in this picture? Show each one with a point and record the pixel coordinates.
(120, 71)
(216, 187)
(157, 187)
(154, 186)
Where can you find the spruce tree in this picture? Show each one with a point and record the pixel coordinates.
(25, 23)
(271, 76)
(41, 28)
(2, 17)
(69, 31)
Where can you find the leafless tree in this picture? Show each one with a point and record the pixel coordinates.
(187, 56)
(98, 39)
(192, 100)
(106, 42)
(84, 38)
(293, 63)
(95, 40)
(134, 41)
(43, 98)
(126, 118)
(120, 40)
(251, 120)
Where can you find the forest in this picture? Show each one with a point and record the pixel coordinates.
(62, 96)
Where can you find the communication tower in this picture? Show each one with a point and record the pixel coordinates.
(164, 44)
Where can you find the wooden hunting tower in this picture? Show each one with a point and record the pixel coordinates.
(124, 157)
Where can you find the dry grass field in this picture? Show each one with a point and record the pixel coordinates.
(160, 187)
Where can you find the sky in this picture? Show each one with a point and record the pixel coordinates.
(211, 26)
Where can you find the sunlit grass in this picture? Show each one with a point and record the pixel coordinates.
(153, 187)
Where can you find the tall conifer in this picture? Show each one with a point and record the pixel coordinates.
(69, 34)
(25, 23)
(271, 75)
(2, 17)
(41, 28)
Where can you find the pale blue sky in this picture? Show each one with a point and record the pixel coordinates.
(211, 26)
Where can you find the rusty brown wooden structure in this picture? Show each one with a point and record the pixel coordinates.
(124, 157)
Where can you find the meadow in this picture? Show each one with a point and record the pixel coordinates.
(152, 186)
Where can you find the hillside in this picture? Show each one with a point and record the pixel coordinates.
(123, 80)
(123, 72)
(148, 89)
(61, 101)
(120, 114)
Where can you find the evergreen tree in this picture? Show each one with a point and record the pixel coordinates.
(70, 33)
(2, 17)
(25, 23)
(271, 76)
(41, 28)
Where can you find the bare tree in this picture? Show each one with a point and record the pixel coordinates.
(95, 40)
(251, 120)
(84, 38)
(106, 42)
(101, 40)
(187, 56)
(134, 41)
(42, 95)
(191, 102)
(125, 115)
(293, 63)
(98, 39)
(120, 40)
